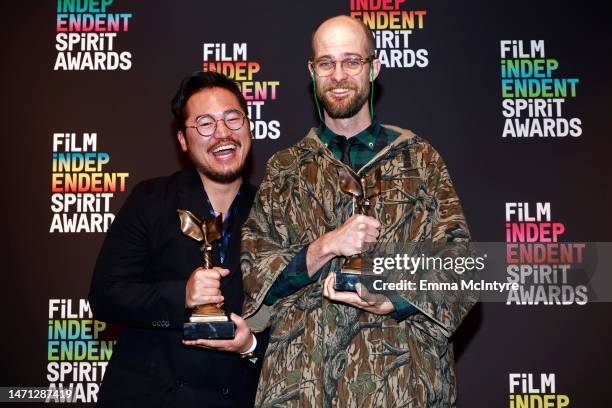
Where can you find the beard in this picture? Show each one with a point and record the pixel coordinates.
(220, 176)
(346, 108)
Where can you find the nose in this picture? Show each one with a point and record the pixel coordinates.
(221, 131)
(339, 74)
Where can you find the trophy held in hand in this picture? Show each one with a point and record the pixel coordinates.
(206, 321)
(357, 268)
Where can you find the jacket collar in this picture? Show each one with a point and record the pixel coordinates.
(312, 144)
(193, 197)
(191, 193)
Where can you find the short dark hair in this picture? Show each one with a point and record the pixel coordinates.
(366, 30)
(196, 82)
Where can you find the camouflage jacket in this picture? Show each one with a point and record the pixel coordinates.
(324, 354)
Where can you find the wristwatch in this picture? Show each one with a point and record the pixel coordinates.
(250, 353)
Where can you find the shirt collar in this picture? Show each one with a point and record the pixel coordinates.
(366, 137)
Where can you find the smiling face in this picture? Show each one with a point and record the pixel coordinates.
(221, 156)
(342, 95)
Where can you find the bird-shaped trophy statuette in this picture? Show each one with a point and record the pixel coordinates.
(355, 268)
(206, 321)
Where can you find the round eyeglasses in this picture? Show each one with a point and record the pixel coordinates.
(206, 125)
(352, 65)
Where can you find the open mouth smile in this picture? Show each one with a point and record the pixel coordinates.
(224, 150)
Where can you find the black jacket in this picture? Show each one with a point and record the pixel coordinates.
(139, 282)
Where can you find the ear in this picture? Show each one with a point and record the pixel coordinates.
(182, 140)
(376, 66)
(310, 70)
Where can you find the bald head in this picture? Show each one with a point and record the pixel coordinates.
(339, 30)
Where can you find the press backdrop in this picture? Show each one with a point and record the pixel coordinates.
(514, 95)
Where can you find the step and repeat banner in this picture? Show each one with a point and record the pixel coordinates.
(514, 95)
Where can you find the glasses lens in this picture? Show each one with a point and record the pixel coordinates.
(324, 67)
(352, 66)
(234, 120)
(205, 125)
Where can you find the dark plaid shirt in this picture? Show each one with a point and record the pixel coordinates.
(361, 149)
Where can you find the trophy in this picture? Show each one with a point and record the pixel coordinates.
(206, 321)
(353, 269)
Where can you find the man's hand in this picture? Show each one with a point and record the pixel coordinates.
(349, 239)
(239, 344)
(370, 302)
(352, 237)
(204, 287)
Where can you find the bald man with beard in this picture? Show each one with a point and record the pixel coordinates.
(342, 348)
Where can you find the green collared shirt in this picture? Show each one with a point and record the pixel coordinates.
(362, 147)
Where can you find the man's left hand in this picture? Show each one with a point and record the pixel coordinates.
(239, 344)
(363, 299)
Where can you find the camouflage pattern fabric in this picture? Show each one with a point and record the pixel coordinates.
(326, 354)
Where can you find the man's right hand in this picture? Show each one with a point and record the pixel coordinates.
(204, 287)
(348, 239)
(352, 237)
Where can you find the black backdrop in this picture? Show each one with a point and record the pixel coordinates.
(455, 101)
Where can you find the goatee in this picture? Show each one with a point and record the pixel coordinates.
(220, 177)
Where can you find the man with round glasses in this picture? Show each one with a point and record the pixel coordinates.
(329, 347)
(149, 275)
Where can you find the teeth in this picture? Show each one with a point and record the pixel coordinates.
(224, 147)
(340, 90)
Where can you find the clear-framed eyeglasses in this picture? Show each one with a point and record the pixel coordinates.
(352, 65)
(206, 125)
